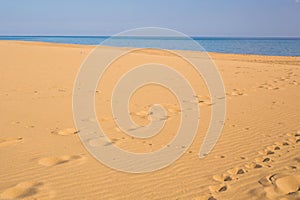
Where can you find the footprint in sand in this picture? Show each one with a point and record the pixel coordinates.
(218, 188)
(294, 137)
(275, 186)
(205, 103)
(68, 131)
(273, 88)
(269, 86)
(279, 186)
(142, 113)
(236, 93)
(276, 149)
(100, 141)
(204, 100)
(236, 171)
(273, 148)
(254, 165)
(263, 160)
(266, 152)
(57, 160)
(222, 178)
(21, 190)
(9, 141)
(291, 167)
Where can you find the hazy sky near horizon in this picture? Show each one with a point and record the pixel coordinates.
(192, 17)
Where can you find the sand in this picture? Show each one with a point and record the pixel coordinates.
(42, 157)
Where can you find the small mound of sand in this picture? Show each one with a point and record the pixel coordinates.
(68, 131)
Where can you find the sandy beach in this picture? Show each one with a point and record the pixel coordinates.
(42, 157)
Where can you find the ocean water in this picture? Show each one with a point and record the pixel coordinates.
(259, 46)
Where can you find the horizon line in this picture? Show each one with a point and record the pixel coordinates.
(242, 37)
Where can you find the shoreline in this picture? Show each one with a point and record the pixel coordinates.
(94, 46)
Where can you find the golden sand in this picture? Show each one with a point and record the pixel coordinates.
(42, 157)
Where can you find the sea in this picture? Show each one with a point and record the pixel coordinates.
(236, 45)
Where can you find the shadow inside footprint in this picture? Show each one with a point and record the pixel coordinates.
(223, 189)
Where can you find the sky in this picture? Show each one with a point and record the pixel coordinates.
(244, 18)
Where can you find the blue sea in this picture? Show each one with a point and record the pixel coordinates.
(259, 46)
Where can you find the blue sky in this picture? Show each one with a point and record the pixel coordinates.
(192, 17)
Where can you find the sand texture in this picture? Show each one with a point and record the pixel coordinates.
(42, 157)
